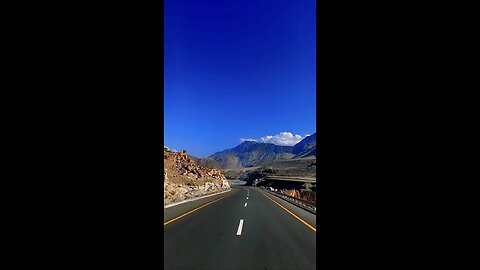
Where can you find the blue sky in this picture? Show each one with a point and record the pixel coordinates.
(237, 69)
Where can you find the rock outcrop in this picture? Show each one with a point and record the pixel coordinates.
(301, 194)
(183, 179)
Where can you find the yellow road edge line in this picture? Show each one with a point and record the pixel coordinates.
(295, 216)
(191, 211)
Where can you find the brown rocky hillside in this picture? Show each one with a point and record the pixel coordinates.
(206, 162)
(183, 179)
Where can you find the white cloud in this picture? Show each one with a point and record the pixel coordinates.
(247, 140)
(283, 138)
(172, 150)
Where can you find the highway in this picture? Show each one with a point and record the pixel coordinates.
(245, 228)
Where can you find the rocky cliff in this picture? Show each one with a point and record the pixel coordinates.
(183, 179)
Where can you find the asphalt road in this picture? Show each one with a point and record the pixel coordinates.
(233, 232)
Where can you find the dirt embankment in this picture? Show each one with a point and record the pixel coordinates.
(301, 194)
(184, 180)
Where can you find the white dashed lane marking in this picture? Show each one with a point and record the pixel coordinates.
(240, 227)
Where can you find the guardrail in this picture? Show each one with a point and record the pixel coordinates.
(289, 178)
(304, 204)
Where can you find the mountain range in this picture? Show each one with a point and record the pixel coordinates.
(252, 154)
(306, 147)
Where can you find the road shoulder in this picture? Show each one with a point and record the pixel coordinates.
(301, 213)
(177, 210)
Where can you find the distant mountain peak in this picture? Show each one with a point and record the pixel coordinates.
(249, 142)
(306, 147)
(250, 154)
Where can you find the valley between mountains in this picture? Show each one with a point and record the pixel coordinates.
(187, 177)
